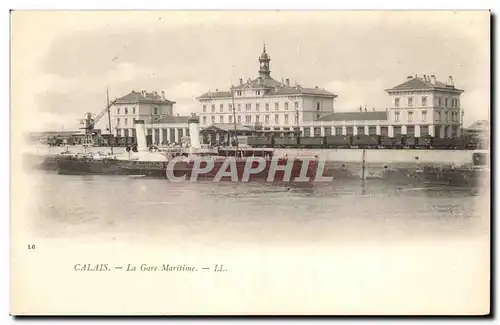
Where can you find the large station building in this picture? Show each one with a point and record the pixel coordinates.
(419, 106)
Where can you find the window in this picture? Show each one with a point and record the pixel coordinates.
(126, 121)
(257, 119)
(276, 119)
(439, 116)
(133, 110)
(446, 116)
(424, 116)
(438, 101)
(221, 108)
(266, 119)
(248, 107)
(213, 108)
(118, 111)
(410, 101)
(212, 119)
(230, 119)
(446, 102)
(318, 104)
(257, 107)
(296, 105)
(277, 106)
(204, 120)
(396, 116)
(286, 106)
(396, 102)
(204, 108)
(286, 118)
(257, 92)
(126, 111)
(221, 119)
(230, 107)
(117, 121)
(239, 107)
(410, 116)
(239, 119)
(238, 92)
(267, 106)
(424, 101)
(248, 119)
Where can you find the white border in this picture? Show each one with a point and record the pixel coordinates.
(145, 4)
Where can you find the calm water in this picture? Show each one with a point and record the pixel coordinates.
(125, 208)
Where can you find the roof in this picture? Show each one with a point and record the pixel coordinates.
(174, 119)
(355, 116)
(274, 87)
(418, 83)
(228, 127)
(135, 96)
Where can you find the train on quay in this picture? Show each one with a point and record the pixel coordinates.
(367, 142)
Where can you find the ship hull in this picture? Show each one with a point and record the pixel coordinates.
(225, 170)
(222, 170)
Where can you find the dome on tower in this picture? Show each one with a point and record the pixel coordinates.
(264, 55)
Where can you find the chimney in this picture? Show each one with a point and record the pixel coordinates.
(287, 82)
(409, 77)
(241, 81)
(216, 89)
(143, 93)
(450, 81)
(316, 87)
(155, 93)
(163, 95)
(433, 79)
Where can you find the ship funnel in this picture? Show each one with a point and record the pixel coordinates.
(140, 131)
(194, 132)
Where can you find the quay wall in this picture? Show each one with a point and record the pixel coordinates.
(385, 156)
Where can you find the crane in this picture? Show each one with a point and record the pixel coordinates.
(89, 123)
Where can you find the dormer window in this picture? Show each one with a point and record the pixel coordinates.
(238, 92)
(257, 92)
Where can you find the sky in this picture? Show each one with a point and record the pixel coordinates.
(62, 62)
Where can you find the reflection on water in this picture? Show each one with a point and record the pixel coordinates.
(203, 212)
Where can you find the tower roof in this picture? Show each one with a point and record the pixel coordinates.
(423, 83)
(264, 55)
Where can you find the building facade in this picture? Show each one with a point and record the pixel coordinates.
(425, 106)
(147, 106)
(265, 102)
(419, 106)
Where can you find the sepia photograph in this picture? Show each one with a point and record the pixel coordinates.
(265, 162)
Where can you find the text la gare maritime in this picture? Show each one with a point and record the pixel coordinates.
(131, 267)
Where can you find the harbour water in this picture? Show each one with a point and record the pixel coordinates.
(339, 248)
(346, 210)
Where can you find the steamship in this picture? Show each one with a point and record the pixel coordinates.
(189, 162)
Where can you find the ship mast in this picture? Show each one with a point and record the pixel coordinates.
(234, 122)
(109, 120)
